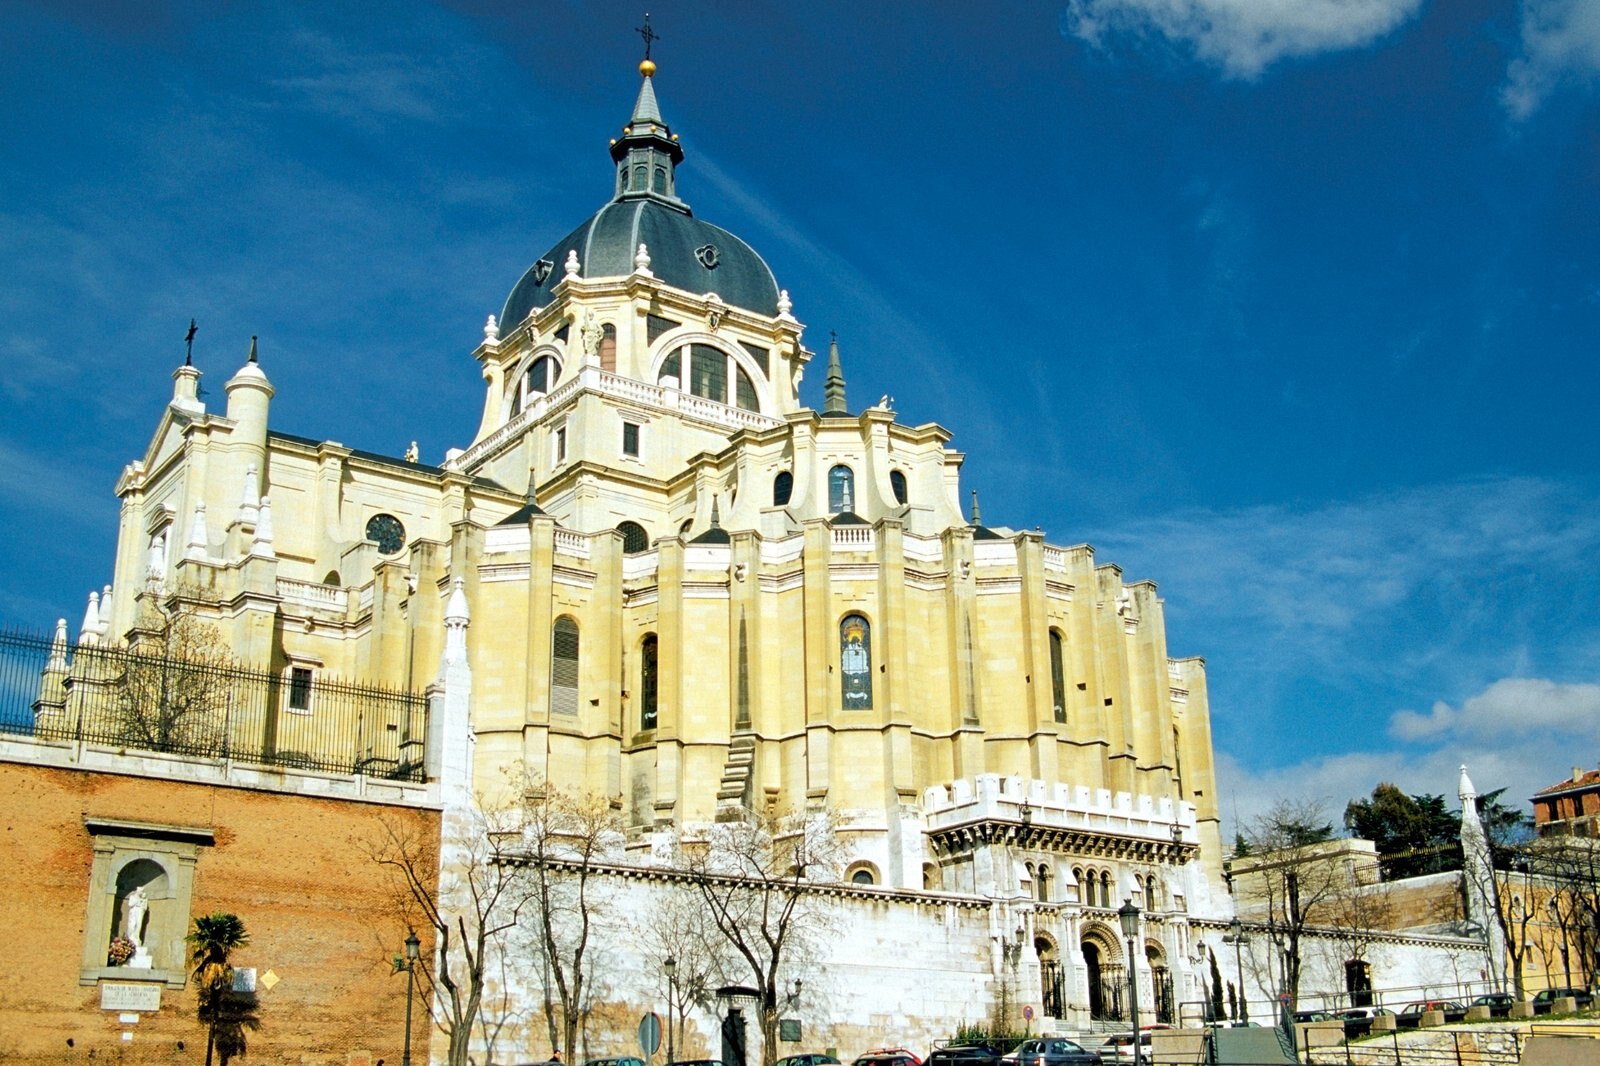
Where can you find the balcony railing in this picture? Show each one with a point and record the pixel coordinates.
(205, 707)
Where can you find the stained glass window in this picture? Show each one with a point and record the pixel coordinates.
(855, 662)
(841, 489)
(647, 682)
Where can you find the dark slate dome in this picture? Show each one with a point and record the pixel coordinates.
(680, 247)
(685, 252)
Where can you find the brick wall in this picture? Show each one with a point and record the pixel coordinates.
(290, 866)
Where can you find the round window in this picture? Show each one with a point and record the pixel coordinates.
(387, 532)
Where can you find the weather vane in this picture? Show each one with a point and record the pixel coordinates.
(650, 36)
(188, 341)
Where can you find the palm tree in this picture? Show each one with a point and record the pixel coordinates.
(214, 939)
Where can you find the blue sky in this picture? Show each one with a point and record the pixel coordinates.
(1292, 306)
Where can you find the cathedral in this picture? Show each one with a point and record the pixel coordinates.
(654, 575)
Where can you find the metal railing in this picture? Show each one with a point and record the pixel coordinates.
(203, 706)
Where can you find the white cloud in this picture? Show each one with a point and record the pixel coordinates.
(1560, 43)
(1520, 734)
(1243, 37)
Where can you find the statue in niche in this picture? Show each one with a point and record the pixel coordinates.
(135, 912)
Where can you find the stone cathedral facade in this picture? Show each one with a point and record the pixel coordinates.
(692, 594)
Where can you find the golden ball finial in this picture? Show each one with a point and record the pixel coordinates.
(647, 68)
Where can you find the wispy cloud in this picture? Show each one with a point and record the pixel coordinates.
(1520, 734)
(1242, 39)
(1560, 45)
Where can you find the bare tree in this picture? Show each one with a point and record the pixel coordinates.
(1287, 875)
(471, 898)
(680, 928)
(564, 837)
(173, 689)
(756, 877)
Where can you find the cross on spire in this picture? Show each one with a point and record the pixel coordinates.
(650, 36)
(188, 341)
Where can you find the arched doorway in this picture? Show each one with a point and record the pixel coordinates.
(1107, 978)
(1051, 983)
(1161, 984)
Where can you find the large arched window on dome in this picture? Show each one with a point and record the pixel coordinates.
(855, 662)
(540, 378)
(711, 373)
(841, 489)
(782, 488)
(564, 667)
(1058, 674)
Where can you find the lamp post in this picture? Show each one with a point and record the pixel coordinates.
(1235, 936)
(670, 967)
(413, 950)
(1129, 916)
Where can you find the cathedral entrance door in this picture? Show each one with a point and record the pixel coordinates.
(1091, 959)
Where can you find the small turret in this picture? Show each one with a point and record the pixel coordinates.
(249, 398)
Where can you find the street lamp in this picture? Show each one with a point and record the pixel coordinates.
(413, 950)
(670, 967)
(1128, 913)
(1235, 936)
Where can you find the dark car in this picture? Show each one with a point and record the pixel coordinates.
(1056, 1051)
(888, 1056)
(963, 1055)
(622, 1060)
(1499, 1003)
(810, 1058)
(1358, 1020)
(1411, 1016)
(1544, 1001)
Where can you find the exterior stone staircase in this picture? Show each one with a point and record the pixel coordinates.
(736, 773)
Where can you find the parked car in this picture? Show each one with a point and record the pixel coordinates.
(888, 1056)
(623, 1060)
(810, 1058)
(1313, 1016)
(1358, 1020)
(1055, 1051)
(1119, 1048)
(698, 1062)
(1499, 1003)
(1411, 1016)
(963, 1055)
(1545, 1000)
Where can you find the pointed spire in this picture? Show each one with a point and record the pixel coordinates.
(833, 386)
(456, 620)
(252, 358)
(196, 548)
(716, 517)
(89, 632)
(647, 154)
(105, 611)
(250, 497)
(58, 649)
(263, 542)
(1465, 791)
(977, 516)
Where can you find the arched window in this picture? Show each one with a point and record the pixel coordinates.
(897, 483)
(1090, 895)
(661, 179)
(1152, 894)
(782, 488)
(647, 682)
(608, 348)
(862, 873)
(1042, 879)
(711, 370)
(564, 667)
(841, 489)
(683, 530)
(1058, 674)
(855, 662)
(539, 380)
(634, 538)
(641, 178)
(1105, 888)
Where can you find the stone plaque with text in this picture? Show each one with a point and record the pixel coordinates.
(121, 996)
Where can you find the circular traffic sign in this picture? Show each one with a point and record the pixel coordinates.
(650, 1033)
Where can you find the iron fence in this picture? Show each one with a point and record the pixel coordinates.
(207, 707)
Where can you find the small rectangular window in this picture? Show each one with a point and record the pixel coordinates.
(561, 444)
(630, 439)
(300, 688)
